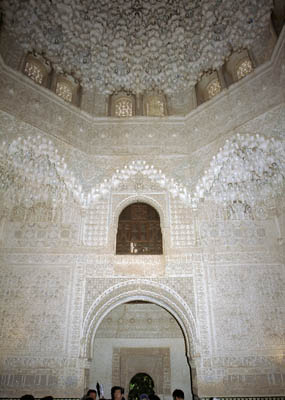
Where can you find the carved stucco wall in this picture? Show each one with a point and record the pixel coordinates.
(222, 276)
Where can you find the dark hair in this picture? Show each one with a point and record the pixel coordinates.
(178, 393)
(91, 391)
(144, 396)
(47, 398)
(114, 388)
(27, 397)
(153, 397)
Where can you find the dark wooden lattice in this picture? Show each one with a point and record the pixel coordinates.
(139, 230)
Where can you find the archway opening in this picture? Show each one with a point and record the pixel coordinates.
(140, 383)
(135, 339)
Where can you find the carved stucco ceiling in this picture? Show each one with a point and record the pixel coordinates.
(139, 320)
(136, 44)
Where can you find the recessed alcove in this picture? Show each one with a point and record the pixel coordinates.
(139, 242)
(140, 337)
(139, 231)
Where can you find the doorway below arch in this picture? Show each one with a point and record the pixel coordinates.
(140, 384)
(140, 338)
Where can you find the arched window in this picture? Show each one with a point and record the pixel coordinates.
(124, 107)
(140, 384)
(244, 68)
(122, 104)
(139, 230)
(213, 88)
(64, 89)
(35, 70)
(155, 106)
(238, 66)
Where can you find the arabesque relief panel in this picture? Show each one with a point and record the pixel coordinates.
(227, 267)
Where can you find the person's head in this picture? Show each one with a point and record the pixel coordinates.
(144, 396)
(92, 393)
(117, 393)
(27, 397)
(47, 398)
(178, 394)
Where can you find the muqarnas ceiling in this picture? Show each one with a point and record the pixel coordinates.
(136, 45)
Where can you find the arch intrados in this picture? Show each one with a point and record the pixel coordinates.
(103, 306)
(137, 298)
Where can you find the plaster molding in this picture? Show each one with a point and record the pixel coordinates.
(139, 289)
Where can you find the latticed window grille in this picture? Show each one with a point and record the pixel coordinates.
(139, 230)
(64, 91)
(124, 108)
(244, 68)
(213, 88)
(155, 107)
(33, 71)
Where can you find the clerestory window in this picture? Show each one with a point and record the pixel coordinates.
(34, 70)
(124, 107)
(213, 88)
(155, 106)
(64, 90)
(139, 230)
(244, 68)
